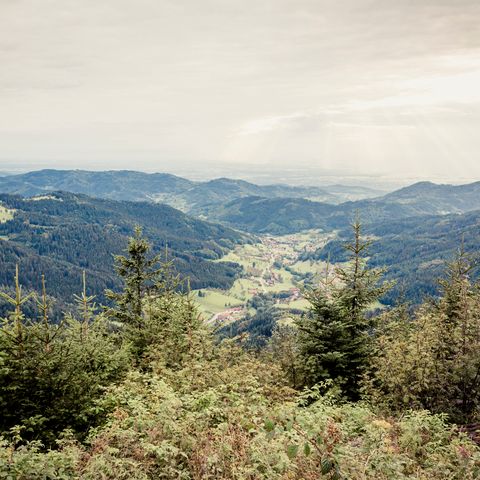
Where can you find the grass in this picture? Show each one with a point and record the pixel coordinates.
(215, 302)
(5, 214)
(308, 266)
(242, 286)
(300, 304)
(261, 261)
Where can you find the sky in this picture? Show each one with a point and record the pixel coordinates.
(386, 88)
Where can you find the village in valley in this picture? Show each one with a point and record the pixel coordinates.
(272, 266)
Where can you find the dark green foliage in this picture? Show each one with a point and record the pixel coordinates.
(264, 214)
(173, 329)
(276, 216)
(283, 348)
(154, 307)
(64, 234)
(140, 274)
(190, 408)
(257, 327)
(432, 360)
(335, 336)
(52, 374)
(415, 251)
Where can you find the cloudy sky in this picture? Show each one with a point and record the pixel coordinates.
(380, 87)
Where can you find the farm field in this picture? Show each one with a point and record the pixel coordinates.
(211, 302)
(271, 266)
(5, 214)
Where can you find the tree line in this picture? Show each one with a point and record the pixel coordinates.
(142, 389)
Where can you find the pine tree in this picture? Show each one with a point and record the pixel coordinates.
(432, 360)
(335, 336)
(15, 324)
(155, 306)
(51, 374)
(140, 274)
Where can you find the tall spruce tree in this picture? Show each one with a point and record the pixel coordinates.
(432, 360)
(51, 375)
(155, 306)
(140, 273)
(335, 336)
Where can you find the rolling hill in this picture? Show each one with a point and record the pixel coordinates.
(289, 215)
(414, 250)
(61, 234)
(186, 195)
(115, 185)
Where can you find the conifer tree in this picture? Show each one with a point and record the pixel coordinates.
(140, 273)
(155, 306)
(432, 361)
(15, 324)
(52, 374)
(335, 336)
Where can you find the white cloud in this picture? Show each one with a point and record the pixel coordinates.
(389, 84)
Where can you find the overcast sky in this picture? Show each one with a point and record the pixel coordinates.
(388, 87)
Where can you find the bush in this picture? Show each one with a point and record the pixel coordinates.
(225, 415)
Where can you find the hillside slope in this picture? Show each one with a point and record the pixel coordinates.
(414, 250)
(189, 196)
(289, 215)
(62, 233)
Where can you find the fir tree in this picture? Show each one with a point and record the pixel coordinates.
(52, 374)
(432, 361)
(153, 307)
(140, 274)
(335, 336)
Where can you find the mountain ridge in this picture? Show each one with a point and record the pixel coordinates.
(289, 215)
(188, 195)
(63, 233)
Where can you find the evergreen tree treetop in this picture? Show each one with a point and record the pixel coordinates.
(335, 336)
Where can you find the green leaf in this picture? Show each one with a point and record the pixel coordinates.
(307, 449)
(269, 425)
(292, 451)
(326, 465)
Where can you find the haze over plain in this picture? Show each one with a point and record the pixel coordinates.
(348, 88)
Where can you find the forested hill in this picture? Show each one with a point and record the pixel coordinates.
(414, 250)
(115, 185)
(438, 199)
(62, 233)
(275, 216)
(187, 195)
(288, 215)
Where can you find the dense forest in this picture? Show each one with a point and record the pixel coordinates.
(62, 234)
(414, 249)
(143, 389)
(415, 232)
(260, 214)
(188, 195)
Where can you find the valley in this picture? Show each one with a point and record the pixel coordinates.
(270, 267)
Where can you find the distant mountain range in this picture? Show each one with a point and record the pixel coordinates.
(289, 215)
(61, 234)
(417, 227)
(189, 196)
(275, 209)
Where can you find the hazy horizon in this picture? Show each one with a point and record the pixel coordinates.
(380, 91)
(291, 177)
